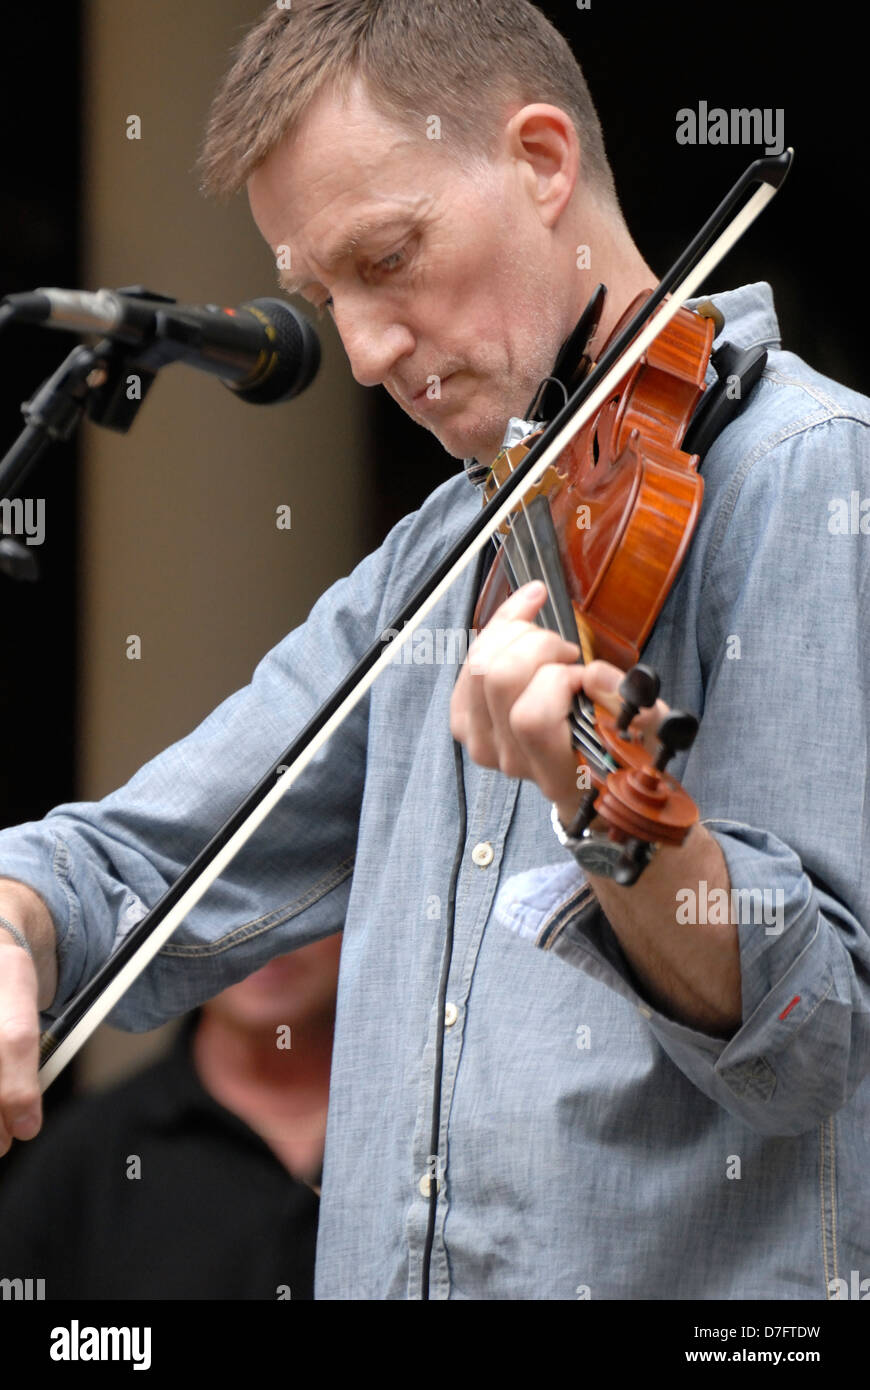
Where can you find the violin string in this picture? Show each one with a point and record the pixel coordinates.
(582, 726)
(582, 731)
(580, 719)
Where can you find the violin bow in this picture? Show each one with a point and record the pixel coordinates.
(82, 1015)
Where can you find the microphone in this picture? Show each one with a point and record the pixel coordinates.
(263, 351)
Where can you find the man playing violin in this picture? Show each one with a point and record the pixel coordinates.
(679, 1115)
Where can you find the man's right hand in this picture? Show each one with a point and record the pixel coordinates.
(26, 985)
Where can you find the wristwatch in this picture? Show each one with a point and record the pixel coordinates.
(598, 854)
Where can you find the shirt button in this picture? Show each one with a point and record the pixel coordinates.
(644, 1012)
(483, 854)
(451, 1013)
(425, 1183)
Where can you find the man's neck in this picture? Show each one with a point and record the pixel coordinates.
(614, 262)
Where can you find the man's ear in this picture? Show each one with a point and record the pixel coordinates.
(544, 140)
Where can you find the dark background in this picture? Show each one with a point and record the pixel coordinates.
(39, 205)
(642, 64)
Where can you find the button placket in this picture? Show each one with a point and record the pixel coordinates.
(491, 807)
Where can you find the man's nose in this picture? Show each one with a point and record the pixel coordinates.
(374, 339)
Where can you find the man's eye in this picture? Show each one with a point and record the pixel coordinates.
(392, 261)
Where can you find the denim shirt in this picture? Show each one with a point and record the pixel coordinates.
(593, 1146)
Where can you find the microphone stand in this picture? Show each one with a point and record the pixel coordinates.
(92, 380)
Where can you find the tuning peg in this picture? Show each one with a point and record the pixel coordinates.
(676, 733)
(639, 689)
(636, 854)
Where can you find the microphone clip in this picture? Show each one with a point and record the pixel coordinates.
(120, 381)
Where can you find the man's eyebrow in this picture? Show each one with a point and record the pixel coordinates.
(292, 284)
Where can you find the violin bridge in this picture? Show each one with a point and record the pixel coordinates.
(548, 485)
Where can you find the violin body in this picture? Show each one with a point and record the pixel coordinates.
(624, 497)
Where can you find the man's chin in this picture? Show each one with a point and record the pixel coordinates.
(465, 429)
(463, 445)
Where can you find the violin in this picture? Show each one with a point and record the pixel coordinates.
(606, 530)
(630, 784)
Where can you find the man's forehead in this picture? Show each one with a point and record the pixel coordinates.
(342, 132)
(328, 189)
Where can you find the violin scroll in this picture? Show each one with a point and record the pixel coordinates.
(639, 804)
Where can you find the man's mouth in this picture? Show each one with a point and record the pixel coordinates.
(423, 398)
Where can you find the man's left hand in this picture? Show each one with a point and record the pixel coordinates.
(512, 700)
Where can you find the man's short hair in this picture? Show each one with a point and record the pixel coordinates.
(464, 61)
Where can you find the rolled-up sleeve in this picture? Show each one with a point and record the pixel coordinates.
(779, 771)
(101, 866)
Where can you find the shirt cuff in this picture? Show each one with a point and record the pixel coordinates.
(796, 1056)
